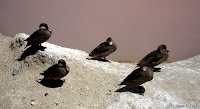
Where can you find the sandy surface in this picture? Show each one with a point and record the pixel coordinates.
(90, 84)
(83, 87)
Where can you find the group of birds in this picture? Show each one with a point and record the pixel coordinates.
(139, 76)
(146, 68)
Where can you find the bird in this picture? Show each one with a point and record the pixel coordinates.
(57, 71)
(155, 58)
(138, 77)
(104, 49)
(39, 36)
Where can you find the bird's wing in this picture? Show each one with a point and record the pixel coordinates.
(51, 70)
(159, 60)
(136, 76)
(151, 57)
(133, 76)
(34, 35)
(100, 49)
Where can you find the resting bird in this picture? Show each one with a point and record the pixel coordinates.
(39, 36)
(57, 71)
(104, 49)
(138, 77)
(155, 58)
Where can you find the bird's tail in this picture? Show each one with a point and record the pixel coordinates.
(121, 84)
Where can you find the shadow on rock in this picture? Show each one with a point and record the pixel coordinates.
(138, 90)
(51, 83)
(102, 60)
(31, 51)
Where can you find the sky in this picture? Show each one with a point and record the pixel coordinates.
(137, 26)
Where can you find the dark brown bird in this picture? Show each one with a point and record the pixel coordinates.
(104, 49)
(155, 58)
(138, 77)
(39, 36)
(57, 71)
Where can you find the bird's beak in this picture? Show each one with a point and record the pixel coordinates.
(151, 68)
(167, 50)
(49, 30)
(67, 68)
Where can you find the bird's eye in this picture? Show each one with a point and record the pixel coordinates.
(144, 68)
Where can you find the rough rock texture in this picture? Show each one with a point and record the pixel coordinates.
(90, 84)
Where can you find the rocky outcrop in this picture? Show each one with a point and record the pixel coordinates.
(91, 84)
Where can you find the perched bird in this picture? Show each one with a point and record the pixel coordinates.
(138, 77)
(57, 71)
(39, 36)
(104, 49)
(155, 58)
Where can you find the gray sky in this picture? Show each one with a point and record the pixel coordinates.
(137, 26)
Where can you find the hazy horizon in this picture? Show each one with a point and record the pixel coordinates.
(138, 27)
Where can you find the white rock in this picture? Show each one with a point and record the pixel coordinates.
(173, 86)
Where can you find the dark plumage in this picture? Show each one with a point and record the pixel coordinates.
(57, 71)
(155, 57)
(138, 77)
(104, 49)
(39, 36)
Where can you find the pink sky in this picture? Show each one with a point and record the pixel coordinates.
(137, 26)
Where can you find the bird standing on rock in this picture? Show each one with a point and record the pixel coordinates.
(104, 49)
(39, 36)
(138, 77)
(57, 71)
(155, 58)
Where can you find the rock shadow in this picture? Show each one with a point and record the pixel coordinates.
(102, 60)
(51, 83)
(31, 51)
(137, 90)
